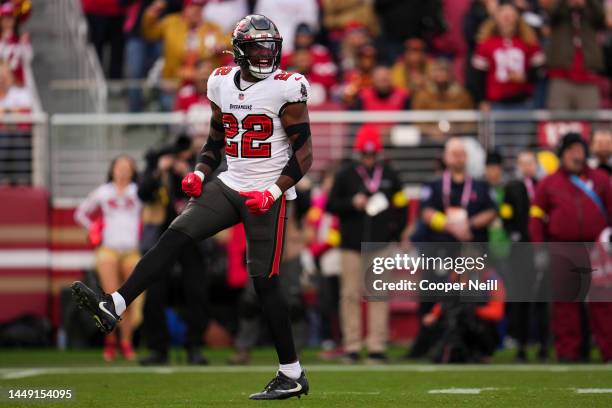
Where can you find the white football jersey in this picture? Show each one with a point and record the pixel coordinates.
(120, 212)
(257, 148)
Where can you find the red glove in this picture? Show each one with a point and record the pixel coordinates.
(192, 184)
(258, 202)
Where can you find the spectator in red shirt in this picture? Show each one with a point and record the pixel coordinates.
(13, 48)
(574, 55)
(305, 39)
(314, 61)
(508, 57)
(105, 20)
(381, 96)
(322, 77)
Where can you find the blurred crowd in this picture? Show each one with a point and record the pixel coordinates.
(372, 54)
(362, 200)
(15, 97)
(365, 55)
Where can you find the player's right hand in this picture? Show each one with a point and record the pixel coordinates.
(192, 184)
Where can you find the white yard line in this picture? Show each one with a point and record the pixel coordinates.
(23, 373)
(472, 391)
(350, 393)
(16, 372)
(593, 390)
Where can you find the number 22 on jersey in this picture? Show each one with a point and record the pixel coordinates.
(256, 127)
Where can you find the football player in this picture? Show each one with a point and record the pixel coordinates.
(260, 120)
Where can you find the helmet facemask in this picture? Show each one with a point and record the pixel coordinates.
(260, 57)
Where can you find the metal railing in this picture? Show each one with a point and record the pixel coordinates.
(24, 153)
(87, 80)
(413, 139)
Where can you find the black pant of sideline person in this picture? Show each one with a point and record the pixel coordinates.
(193, 291)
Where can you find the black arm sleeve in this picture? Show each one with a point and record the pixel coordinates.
(210, 154)
(300, 134)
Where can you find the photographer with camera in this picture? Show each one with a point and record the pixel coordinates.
(160, 190)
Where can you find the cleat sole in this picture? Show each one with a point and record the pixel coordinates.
(84, 305)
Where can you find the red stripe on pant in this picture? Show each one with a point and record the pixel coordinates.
(278, 246)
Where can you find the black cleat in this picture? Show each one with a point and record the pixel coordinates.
(154, 358)
(195, 357)
(283, 387)
(100, 306)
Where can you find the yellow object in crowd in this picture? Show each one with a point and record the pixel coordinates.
(506, 211)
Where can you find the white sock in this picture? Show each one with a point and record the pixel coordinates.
(293, 370)
(119, 302)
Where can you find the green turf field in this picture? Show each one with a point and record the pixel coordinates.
(501, 384)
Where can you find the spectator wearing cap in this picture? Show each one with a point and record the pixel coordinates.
(361, 76)
(381, 96)
(314, 61)
(442, 92)
(574, 55)
(573, 205)
(186, 38)
(367, 197)
(508, 58)
(320, 55)
(601, 150)
(288, 15)
(105, 19)
(14, 49)
(410, 71)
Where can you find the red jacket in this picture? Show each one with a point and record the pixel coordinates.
(561, 211)
(369, 100)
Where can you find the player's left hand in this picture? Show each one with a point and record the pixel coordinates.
(258, 202)
(192, 184)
